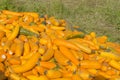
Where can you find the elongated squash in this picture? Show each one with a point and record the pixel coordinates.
(26, 48)
(32, 77)
(90, 64)
(114, 64)
(61, 42)
(60, 58)
(48, 65)
(57, 28)
(66, 52)
(76, 77)
(14, 33)
(53, 74)
(82, 47)
(11, 20)
(65, 78)
(19, 48)
(76, 54)
(14, 77)
(28, 65)
(48, 55)
(7, 12)
(14, 61)
(109, 55)
(103, 74)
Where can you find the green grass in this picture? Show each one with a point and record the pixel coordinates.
(100, 16)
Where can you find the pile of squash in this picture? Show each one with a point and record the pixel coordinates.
(34, 47)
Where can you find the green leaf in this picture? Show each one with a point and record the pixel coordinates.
(27, 32)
